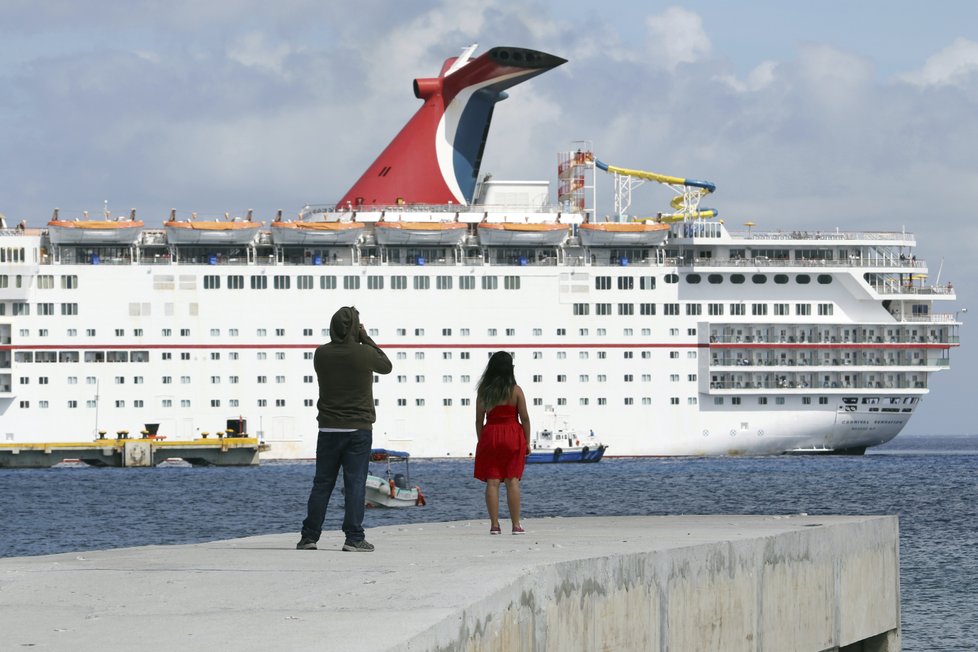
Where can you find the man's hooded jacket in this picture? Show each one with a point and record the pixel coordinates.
(345, 368)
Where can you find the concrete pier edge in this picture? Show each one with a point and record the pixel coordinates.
(615, 583)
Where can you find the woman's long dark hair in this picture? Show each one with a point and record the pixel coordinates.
(497, 382)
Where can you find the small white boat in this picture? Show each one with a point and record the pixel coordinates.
(236, 231)
(618, 234)
(446, 234)
(392, 489)
(106, 231)
(494, 234)
(563, 446)
(316, 233)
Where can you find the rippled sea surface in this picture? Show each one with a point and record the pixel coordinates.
(931, 483)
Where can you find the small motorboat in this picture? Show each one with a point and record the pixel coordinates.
(560, 446)
(392, 489)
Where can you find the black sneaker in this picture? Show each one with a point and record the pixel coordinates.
(358, 546)
(305, 544)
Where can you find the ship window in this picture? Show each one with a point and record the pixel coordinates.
(672, 278)
(602, 282)
(803, 279)
(399, 282)
(490, 282)
(824, 279)
(304, 282)
(626, 282)
(212, 282)
(693, 278)
(466, 283)
(737, 278)
(327, 282)
(626, 309)
(759, 279)
(511, 282)
(422, 283)
(443, 283)
(350, 282)
(646, 308)
(647, 282)
(694, 309)
(582, 308)
(259, 282)
(780, 279)
(715, 279)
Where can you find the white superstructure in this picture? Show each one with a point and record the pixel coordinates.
(711, 342)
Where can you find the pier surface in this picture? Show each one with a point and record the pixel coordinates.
(609, 583)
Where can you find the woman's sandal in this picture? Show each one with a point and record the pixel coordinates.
(518, 529)
(495, 529)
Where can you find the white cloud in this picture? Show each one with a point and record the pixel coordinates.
(254, 50)
(676, 36)
(953, 65)
(759, 78)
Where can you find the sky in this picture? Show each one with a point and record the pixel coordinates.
(819, 115)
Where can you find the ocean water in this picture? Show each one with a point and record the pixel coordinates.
(931, 483)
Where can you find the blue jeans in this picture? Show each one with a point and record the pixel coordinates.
(350, 450)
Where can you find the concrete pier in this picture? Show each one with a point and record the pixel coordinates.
(615, 583)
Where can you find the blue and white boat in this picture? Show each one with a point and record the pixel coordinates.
(560, 446)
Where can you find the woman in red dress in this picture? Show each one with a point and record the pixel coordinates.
(502, 427)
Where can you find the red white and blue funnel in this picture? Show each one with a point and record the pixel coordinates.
(436, 157)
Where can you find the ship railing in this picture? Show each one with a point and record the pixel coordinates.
(815, 263)
(814, 387)
(318, 209)
(913, 289)
(748, 340)
(753, 234)
(747, 364)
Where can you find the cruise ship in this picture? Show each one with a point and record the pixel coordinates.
(657, 335)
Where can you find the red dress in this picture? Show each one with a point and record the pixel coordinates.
(501, 451)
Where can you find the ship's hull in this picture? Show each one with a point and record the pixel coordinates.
(193, 382)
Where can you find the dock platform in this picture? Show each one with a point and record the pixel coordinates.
(758, 583)
(224, 451)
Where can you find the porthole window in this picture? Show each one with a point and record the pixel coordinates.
(715, 279)
(759, 279)
(737, 278)
(780, 279)
(672, 278)
(693, 278)
(803, 279)
(824, 279)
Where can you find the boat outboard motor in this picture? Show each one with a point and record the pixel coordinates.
(400, 481)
